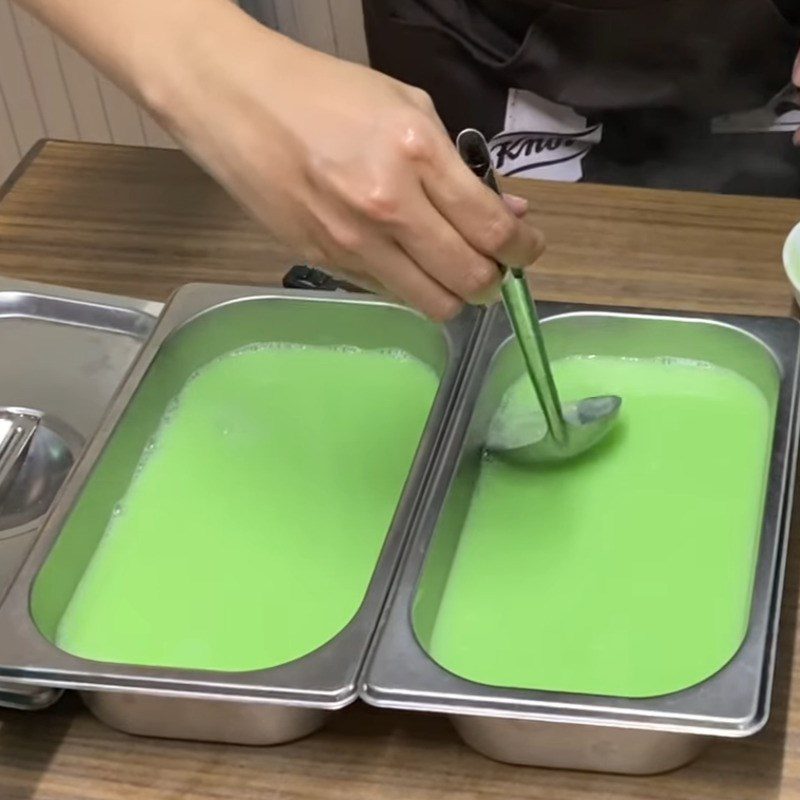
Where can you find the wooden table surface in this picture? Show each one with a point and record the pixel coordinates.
(143, 222)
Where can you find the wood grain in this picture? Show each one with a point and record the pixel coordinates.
(143, 222)
(146, 221)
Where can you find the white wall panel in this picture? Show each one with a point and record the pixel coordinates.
(315, 25)
(333, 26)
(286, 17)
(123, 116)
(83, 93)
(17, 88)
(9, 151)
(348, 28)
(154, 134)
(46, 77)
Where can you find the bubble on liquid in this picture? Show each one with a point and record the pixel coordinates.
(347, 349)
(151, 446)
(170, 410)
(257, 347)
(676, 361)
(395, 353)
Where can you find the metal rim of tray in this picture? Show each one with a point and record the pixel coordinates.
(122, 315)
(399, 674)
(318, 680)
(29, 682)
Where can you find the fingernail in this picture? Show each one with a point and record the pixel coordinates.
(517, 205)
(540, 243)
(488, 297)
(494, 296)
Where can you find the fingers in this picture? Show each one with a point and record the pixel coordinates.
(355, 243)
(518, 206)
(412, 217)
(357, 236)
(389, 211)
(442, 253)
(405, 280)
(477, 213)
(382, 267)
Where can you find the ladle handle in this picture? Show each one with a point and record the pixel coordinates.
(525, 322)
(474, 151)
(18, 430)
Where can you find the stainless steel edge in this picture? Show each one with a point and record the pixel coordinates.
(771, 638)
(473, 369)
(152, 308)
(204, 720)
(450, 402)
(591, 748)
(325, 679)
(399, 674)
(15, 544)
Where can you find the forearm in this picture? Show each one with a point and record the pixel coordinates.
(345, 166)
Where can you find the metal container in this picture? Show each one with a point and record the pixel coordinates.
(259, 707)
(63, 354)
(570, 730)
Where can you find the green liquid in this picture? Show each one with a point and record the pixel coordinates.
(629, 571)
(251, 529)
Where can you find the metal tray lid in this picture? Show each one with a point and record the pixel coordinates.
(63, 354)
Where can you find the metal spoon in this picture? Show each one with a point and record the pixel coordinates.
(554, 433)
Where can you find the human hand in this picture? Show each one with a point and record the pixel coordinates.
(351, 169)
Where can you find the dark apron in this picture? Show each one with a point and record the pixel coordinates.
(652, 71)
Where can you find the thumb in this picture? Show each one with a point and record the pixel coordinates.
(518, 206)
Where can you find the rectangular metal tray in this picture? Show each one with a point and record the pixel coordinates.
(64, 353)
(283, 702)
(581, 731)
